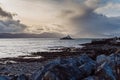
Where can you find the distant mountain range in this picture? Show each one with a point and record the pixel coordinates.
(28, 35)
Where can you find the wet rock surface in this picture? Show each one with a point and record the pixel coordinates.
(72, 68)
(78, 68)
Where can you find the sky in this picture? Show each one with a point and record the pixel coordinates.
(78, 18)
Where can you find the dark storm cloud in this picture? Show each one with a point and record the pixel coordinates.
(8, 24)
(5, 14)
(91, 24)
(11, 26)
(96, 25)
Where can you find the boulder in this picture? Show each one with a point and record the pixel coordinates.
(114, 59)
(84, 59)
(66, 69)
(90, 78)
(22, 77)
(104, 71)
(3, 78)
(50, 76)
(38, 75)
(66, 72)
(87, 69)
(101, 58)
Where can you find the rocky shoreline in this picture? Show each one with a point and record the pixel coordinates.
(94, 61)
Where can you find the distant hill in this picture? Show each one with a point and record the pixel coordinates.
(27, 35)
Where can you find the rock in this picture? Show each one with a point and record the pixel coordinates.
(72, 68)
(66, 72)
(114, 59)
(41, 72)
(90, 78)
(101, 58)
(22, 77)
(50, 76)
(66, 69)
(13, 77)
(59, 72)
(9, 62)
(87, 69)
(84, 59)
(3, 78)
(106, 72)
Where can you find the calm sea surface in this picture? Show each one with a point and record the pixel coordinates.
(22, 46)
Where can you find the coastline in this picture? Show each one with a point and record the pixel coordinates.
(24, 64)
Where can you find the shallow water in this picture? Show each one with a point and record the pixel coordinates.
(22, 46)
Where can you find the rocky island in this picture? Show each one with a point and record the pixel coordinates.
(66, 38)
(98, 60)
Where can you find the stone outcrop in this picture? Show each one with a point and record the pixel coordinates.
(78, 68)
(75, 68)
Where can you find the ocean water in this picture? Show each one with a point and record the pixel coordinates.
(22, 46)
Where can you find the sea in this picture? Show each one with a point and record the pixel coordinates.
(14, 47)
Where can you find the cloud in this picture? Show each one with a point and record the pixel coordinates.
(86, 22)
(48, 28)
(8, 24)
(5, 14)
(51, 35)
(96, 25)
(80, 18)
(110, 9)
(11, 26)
